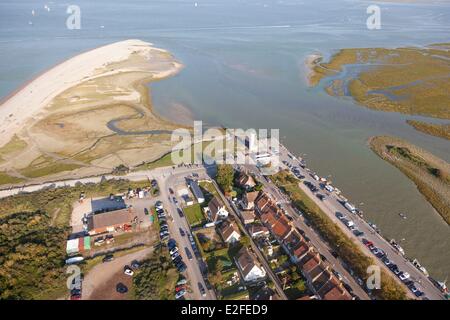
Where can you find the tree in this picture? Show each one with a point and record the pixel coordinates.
(225, 175)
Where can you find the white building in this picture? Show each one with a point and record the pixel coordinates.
(216, 210)
(249, 268)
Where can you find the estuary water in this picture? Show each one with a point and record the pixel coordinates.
(244, 67)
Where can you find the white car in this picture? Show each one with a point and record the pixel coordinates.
(404, 276)
(175, 255)
(173, 251)
(128, 272)
(178, 295)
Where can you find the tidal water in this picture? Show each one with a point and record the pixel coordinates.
(244, 67)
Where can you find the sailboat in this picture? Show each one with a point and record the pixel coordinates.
(403, 215)
(33, 13)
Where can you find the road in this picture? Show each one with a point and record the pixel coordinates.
(261, 258)
(314, 238)
(193, 266)
(330, 205)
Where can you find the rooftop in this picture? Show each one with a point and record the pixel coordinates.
(112, 218)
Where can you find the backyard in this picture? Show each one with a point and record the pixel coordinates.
(194, 215)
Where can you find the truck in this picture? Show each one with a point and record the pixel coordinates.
(350, 207)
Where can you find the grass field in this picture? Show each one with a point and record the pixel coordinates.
(194, 215)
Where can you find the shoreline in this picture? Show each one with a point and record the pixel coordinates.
(113, 86)
(430, 174)
(39, 91)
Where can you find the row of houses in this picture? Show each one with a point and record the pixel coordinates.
(247, 264)
(317, 272)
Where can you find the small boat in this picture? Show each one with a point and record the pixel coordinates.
(422, 269)
(402, 215)
(395, 245)
(33, 13)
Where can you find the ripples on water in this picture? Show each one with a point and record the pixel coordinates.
(245, 68)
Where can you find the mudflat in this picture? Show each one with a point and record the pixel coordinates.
(86, 115)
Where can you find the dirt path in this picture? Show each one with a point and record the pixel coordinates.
(100, 283)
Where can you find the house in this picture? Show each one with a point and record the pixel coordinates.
(246, 181)
(216, 210)
(111, 221)
(248, 267)
(262, 202)
(277, 223)
(337, 292)
(258, 230)
(248, 216)
(229, 232)
(248, 200)
(196, 191)
(188, 200)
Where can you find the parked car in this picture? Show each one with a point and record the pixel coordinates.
(108, 258)
(320, 196)
(181, 282)
(339, 215)
(404, 276)
(121, 288)
(358, 233)
(180, 288)
(175, 255)
(181, 267)
(173, 250)
(180, 212)
(202, 289)
(188, 253)
(159, 205)
(182, 233)
(180, 294)
(171, 191)
(128, 271)
(146, 211)
(135, 264)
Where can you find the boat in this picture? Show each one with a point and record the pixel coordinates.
(33, 12)
(402, 215)
(416, 264)
(395, 245)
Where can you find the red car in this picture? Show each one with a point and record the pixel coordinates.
(180, 288)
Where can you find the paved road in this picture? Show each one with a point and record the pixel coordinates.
(330, 205)
(261, 258)
(193, 266)
(312, 235)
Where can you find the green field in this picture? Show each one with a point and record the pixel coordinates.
(194, 215)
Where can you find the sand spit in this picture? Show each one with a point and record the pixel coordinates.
(16, 111)
(59, 125)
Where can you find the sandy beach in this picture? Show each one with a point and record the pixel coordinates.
(16, 111)
(58, 122)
